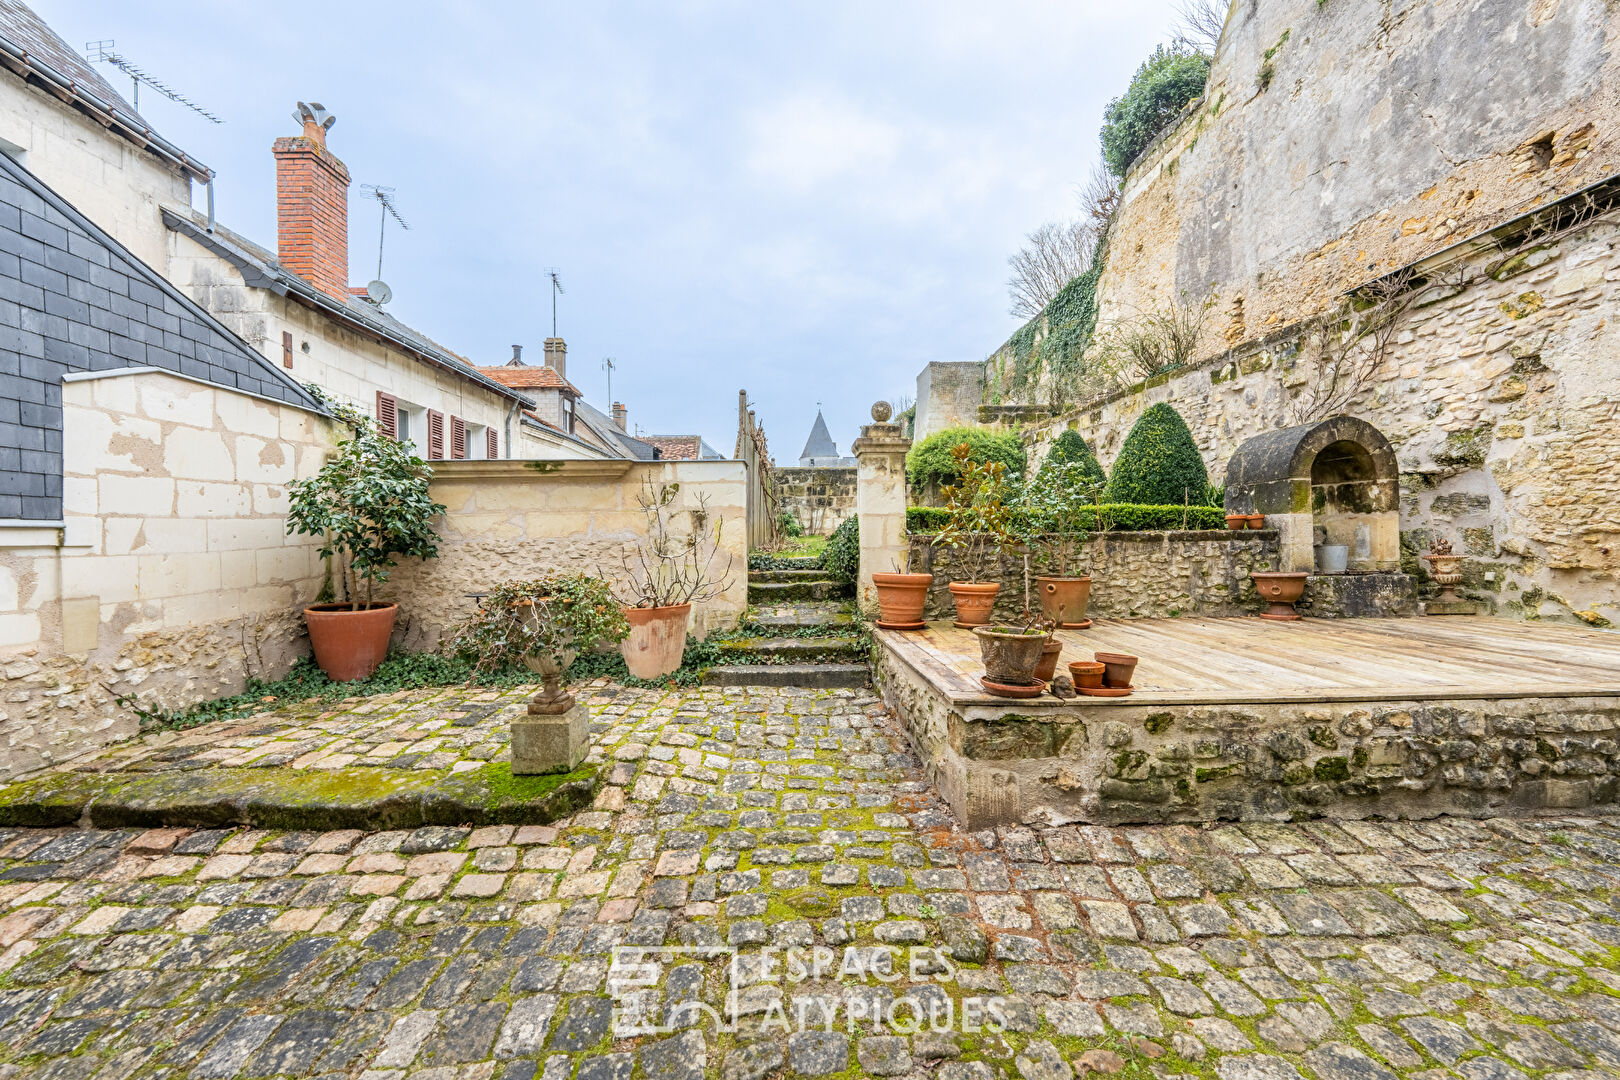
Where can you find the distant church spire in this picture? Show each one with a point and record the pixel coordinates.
(819, 448)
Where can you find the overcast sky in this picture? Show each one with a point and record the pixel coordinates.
(806, 201)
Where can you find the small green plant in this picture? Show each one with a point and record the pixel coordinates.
(979, 524)
(1060, 512)
(841, 558)
(933, 461)
(542, 623)
(369, 503)
(788, 525)
(1158, 464)
(1161, 87)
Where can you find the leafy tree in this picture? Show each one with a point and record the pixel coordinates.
(1070, 449)
(979, 524)
(1166, 81)
(1159, 464)
(841, 558)
(933, 461)
(370, 502)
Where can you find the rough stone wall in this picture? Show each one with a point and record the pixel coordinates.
(819, 499)
(512, 519)
(1134, 575)
(1500, 402)
(948, 395)
(173, 580)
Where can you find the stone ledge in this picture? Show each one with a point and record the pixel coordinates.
(353, 798)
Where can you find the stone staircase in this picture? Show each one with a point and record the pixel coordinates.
(802, 625)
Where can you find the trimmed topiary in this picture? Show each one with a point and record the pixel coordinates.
(930, 461)
(1161, 87)
(1071, 449)
(1159, 465)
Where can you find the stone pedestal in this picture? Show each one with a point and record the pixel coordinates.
(1449, 607)
(550, 742)
(880, 501)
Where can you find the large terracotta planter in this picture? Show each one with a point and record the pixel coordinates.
(1279, 591)
(901, 598)
(1010, 654)
(657, 640)
(1064, 600)
(349, 644)
(974, 600)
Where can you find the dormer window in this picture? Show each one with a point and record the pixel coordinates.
(567, 413)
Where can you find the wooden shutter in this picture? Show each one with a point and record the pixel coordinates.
(492, 444)
(435, 435)
(286, 348)
(388, 414)
(458, 438)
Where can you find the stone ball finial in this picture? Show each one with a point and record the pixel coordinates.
(881, 411)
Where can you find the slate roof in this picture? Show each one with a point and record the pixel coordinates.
(72, 300)
(261, 270)
(819, 444)
(31, 50)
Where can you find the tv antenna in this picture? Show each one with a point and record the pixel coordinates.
(608, 365)
(102, 52)
(378, 291)
(556, 288)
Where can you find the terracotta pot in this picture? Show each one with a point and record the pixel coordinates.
(1257, 521)
(974, 599)
(1087, 673)
(1279, 590)
(1119, 667)
(901, 598)
(657, 640)
(1064, 599)
(1010, 654)
(1237, 521)
(349, 644)
(1046, 666)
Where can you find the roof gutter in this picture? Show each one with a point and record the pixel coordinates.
(282, 283)
(133, 128)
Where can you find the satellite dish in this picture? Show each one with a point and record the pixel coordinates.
(379, 293)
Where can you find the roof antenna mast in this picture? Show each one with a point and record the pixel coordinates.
(608, 365)
(556, 287)
(378, 291)
(102, 52)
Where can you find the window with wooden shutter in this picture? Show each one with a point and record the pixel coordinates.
(492, 444)
(458, 438)
(286, 348)
(435, 435)
(388, 414)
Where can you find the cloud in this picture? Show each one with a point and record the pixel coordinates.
(809, 140)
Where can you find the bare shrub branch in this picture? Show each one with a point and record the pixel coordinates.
(1052, 256)
(1199, 24)
(1163, 338)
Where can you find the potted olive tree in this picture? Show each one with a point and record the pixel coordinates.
(544, 624)
(1060, 515)
(369, 503)
(670, 569)
(978, 528)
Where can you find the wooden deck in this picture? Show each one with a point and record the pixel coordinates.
(1194, 661)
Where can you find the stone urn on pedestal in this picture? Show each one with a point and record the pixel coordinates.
(1445, 566)
(555, 732)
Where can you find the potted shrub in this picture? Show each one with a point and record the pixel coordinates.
(671, 568)
(370, 503)
(1060, 516)
(542, 624)
(978, 527)
(902, 595)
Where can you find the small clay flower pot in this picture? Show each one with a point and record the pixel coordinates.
(901, 598)
(1256, 521)
(1119, 668)
(1087, 673)
(1047, 667)
(974, 600)
(1279, 591)
(1237, 521)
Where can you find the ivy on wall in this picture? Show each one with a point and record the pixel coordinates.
(1051, 347)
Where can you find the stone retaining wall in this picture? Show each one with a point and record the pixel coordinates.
(820, 499)
(1134, 575)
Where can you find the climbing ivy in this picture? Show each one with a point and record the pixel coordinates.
(1053, 344)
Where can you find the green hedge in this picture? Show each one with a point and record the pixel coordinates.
(930, 461)
(1159, 463)
(1118, 517)
(1070, 449)
(1165, 82)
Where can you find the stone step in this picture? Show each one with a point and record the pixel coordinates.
(777, 592)
(806, 676)
(809, 573)
(829, 614)
(831, 647)
(805, 562)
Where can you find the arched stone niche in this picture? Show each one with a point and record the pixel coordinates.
(1335, 480)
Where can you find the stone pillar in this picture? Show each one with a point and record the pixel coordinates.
(880, 501)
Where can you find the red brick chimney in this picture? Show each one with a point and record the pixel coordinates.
(620, 415)
(312, 205)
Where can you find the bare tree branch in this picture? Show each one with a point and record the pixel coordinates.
(1099, 197)
(1052, 256)
(1200, 23)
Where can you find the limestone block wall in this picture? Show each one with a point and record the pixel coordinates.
(524, 519)
(172, 579)
(1500, 401)
(1134, 575)
(819, 499)
(948, 395)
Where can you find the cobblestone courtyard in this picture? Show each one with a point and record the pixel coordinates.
(748, 824)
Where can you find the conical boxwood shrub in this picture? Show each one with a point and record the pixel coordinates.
(1159, 465)
(1071, 449)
